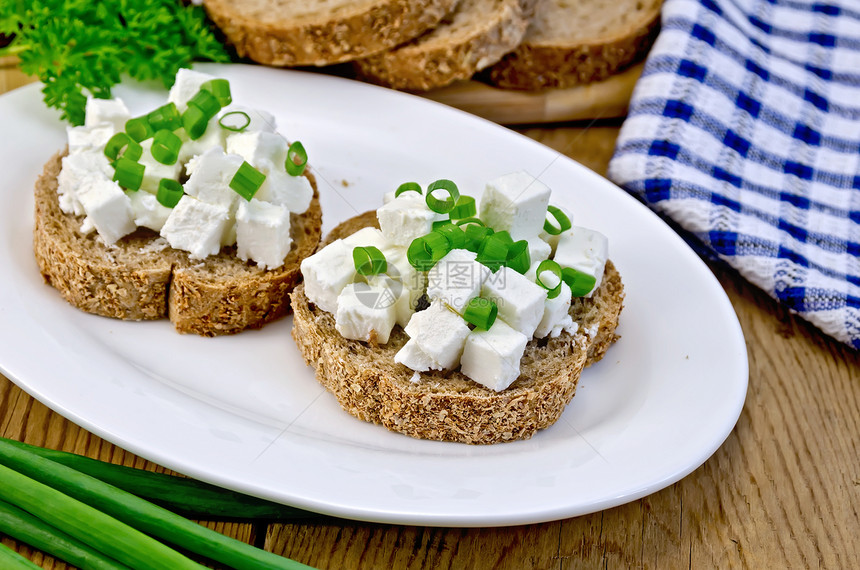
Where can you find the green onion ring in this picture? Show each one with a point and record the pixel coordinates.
(206, 102)
(194, 121)
(165, 147)
(561, 219)
(220, 88)
(128, 173)
(247, 181)
(424, 252)
(297, 159)
(481, 312)
(475, 236)
(454, 233)
(369, 260)
(139, 128)
(237, 128)
(407, 187)
(122, 145)
(554, 268)
(473, 220)
(169, 192)
(518, 257)
(165, 117)
(493, 252)
(580, 283)
(446, 205)
(464, 207)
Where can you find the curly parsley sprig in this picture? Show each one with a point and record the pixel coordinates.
(81, 48)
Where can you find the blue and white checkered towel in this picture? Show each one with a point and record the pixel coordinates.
(745, 130)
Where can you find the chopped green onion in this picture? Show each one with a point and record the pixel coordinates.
(369, 260)
(562, 222)
(220, 88)
(407, 187)
(505, 236)
(580, 283)
(11, 560)
(297, 159)
(464, 207)
(139, 128)
(493, 251)
(165, 147)
(165, 117)
(446, 205)
(424, 252)
(548, 265)
(121, 145)
(481, 312)
(129, 173)
(454, 233)
(243, 120)
(475, 236)
(518, 257)
(206, 102)
(468, 221)
(194, 121)
(247, 181)
(169, 192)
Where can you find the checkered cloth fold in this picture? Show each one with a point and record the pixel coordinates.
(745, 130)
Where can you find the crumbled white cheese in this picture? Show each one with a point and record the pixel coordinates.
(515, 202)
(326, 273)
(89, 138)
(492, 357)
(154, 171)
(210, 179)
(185, 86)
(364, 310)
(77, 169)
(519, 300)
(411, 356)
(585, 250)
(405, 218)
(196, 227)
(147, 211)
(292, 192)
(439, 332)
(107, 208)
(265, 150)
(111, 111)
(456, 279)
(262, 233)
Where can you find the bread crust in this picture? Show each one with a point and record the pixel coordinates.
(539, 64)
(330, 36)
(142, 278)
(446, 405)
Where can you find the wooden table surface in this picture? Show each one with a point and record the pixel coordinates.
(783, 491)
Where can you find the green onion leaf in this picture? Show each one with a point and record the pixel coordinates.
(475, 236)
(236, 121)
(518, 257)
(369, 260)
(220, 88)
(169, 192)
(548, 265)
(493, 251)
(424, 252)
(194, 121)
(407, 187)
(11, 560)
(121, 145)
(165, 117)
(165, 147)
(505, 236)
(446, 205)
(128, 173)
(562, 222)
(247, 181)
(297, 159)
(206, 102)
(454, 233)
(481, 313)
(464, 207)
(580, 283)
(468, 221)
(139, 128)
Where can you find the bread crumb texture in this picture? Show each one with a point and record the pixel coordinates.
(142, 278)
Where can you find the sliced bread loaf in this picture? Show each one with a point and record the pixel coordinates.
(476, 35)
(141, 277)
(571, 42)
(324, 32)
(447, 405)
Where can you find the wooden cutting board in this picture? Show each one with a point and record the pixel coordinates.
(604, 99)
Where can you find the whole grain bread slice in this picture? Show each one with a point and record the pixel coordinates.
(447, 405)
(571, 42)
(476, 35)
(323, 32)
(142, 278)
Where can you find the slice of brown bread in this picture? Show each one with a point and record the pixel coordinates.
(476, 35)
(141, 277)
(571, 42)
(324, 32)
(447, 405)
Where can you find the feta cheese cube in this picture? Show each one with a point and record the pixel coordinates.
(213, 136)
(413, 282)
(556, 317)
(111, 111)
(210, 176)
(492, 357)
(185, 86)
(107, 207)
(519, 300)
(292, 192)
(89, 138)
(585, 250)
(154, 171)
(262, 233)
(365, 237)
(440, 333)
(414, 358)
(196, 227)
(326, 273)
(456, 278)
(264, 150)
(365, 310)
(517, 203)
(405, 218)
(147, 210)
(539, 250)
(76, 169)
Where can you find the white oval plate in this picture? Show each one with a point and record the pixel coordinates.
(245, 412)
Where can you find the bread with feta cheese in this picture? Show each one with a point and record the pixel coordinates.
(288, 33)
(141, 277)
(446, 405)
(571, 43)
(476, 35)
